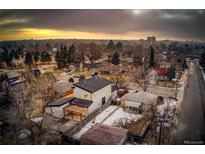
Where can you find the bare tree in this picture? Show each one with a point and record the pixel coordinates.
(141, 71)
(141, 76)
(80, 54)
(19, 114)
(43, 87)
(117, 76)
(93, 52)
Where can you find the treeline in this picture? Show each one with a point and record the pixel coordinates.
(7, 55)
(29, 56)
(75, 53)
(65, 56)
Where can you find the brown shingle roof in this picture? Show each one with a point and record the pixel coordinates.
(93, 84)
(101, 134)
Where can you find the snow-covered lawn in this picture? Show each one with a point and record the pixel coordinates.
(98, 119)
(122, 117)
(166, 112)
(37, 119)
(169, 105)
(109, 118)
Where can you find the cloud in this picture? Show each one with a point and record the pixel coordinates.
(182, 24)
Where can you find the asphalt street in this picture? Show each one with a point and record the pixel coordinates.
(191, 126)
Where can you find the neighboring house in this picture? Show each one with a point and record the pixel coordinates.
(3, 73)
(63, 89)
(165, 64)
(94, 89)
(128, 59)
(36, 72)
(12, 80)
(72, 68)
(136, 101)
(16, 88)
(162, 73)
(17, 63)
(101, 134)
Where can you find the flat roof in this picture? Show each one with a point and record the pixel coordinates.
(70, 100)
(81, 102)
(140, 97)
(59, 102)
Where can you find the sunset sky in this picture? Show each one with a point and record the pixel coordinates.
(102, 24)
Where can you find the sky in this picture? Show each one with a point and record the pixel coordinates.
(102, 24)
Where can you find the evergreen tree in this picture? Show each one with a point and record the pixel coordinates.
(184, 65)
(116, 58)
(17, 56)
(70, 54)
(20, 52)
(65, 56)
(82, 77)
(58, 58)
(36, 56)
(43, 56)
(29, 58)
(36, 47)
(12, 54)
(48, 46)
(171, 73)
(111, 45)
(6, 56)
(119, 45)
(47, 57)
(151, 57)
(202, 59)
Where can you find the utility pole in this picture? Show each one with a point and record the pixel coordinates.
(160, 133)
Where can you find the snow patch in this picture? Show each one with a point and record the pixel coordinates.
(98, 119)
(112, 116)
(121, 117)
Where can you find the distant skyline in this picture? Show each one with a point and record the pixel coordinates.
(102, 24)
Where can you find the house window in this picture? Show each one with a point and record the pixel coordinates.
(130, 108)
(103, 100)
(86, 96)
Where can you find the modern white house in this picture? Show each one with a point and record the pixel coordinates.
(95, 89)
(89, 95)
